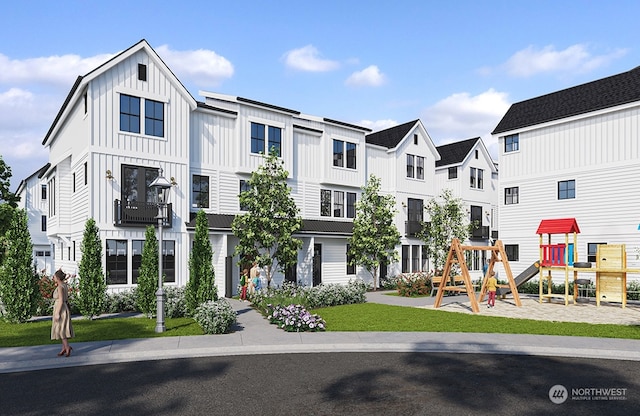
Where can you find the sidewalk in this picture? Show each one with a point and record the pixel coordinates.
(254, 335)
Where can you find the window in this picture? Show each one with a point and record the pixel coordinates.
(480, 179)
(136, 181)
(511, 195)
(512, 251)
(74, 250)
(153, 118)
(351, 205)
(351, 268)
(43, 192)
(338, 153)
(592, 251)
(52, 199)
(73, 181)
(244, 187)
(142, 72)
(275, 140)
(351, 155)
(257, 138)
(116, 255)
(511, 143)
(260, 142)
(169, 261)
(415, 139)
(453, 172)
(325, 203)
(338, 204)
(86, 105)
(129, 113)
(476, 178)
(472, 177)
(200, 192)
(85, 173)
(43, 223)
(415, 258)
(405, 259)
(477, 153)
(567, 189)
(136, 259)
(410, 164)
(425, 258)
(419, 167)
(415, 215)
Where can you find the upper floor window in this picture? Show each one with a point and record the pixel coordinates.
(476, 178)
(136, 181)
(43, 223)
(142, 72)
(511, 195)
(43, 192)
(86, 173)
(410, 165)
(419, 167)
(477, 153)
(200, 191)
(73, 181)
(129, 113)
(339, 154)
(154, 118)
(415, 139)
(325, 202)
(338, 204)
(453, 172)
(512, 251)
(336, 199)
(244, 187)
(351, 205)
(415, 167)
(511, 143)
(260, 141)
(567, 189)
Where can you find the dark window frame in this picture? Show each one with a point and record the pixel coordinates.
(258, 138)
(338, 153)
(142, 72)
(153, 118)
(411, 161)
(43, 223)
(512, 195)
(567, 189)
(274, 139)
(129, 113)
(338, 204)
(419, 167)
(351, 204)
(200, 191)
(325, 202)
(350, 150)
(511, 143)
(512, 251)
(244, 187)
(453, 172)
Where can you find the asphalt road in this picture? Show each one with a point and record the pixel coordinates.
(329, 384)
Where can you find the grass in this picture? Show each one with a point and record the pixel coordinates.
(358, 317)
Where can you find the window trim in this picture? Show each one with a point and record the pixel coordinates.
(453, 169)
(196, 194)
(512, 143)
(566, 193)
(514, 197)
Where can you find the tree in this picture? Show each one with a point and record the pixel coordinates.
(8, 205)
(146, 299)
(448, 220)
(19, 289)
(375, 235)
(93, 288)
(266, 230)
(201, 286)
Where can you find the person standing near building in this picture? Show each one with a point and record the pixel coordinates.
(244, 283)
(492, 284)
(61, 327)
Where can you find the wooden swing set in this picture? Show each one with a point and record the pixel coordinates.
(456, 256)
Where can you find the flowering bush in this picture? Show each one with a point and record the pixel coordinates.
(46, 286)
(124, 301)
(215, 317)
(414, 284)
(175, 305)
(294, 318)
(336, 294)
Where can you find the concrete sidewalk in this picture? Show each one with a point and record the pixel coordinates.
(254, 335)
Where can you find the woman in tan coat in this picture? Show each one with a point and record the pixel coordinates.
(61, 327)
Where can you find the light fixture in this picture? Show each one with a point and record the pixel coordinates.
(109, 175)
(173, 181)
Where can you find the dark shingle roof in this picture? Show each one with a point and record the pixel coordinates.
(596, 95)
(390, 137)
(454, 153)
(223, 222)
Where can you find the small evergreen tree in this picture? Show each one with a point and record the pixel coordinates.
(146, 299)
(19, 289)
(8, 204)
(201, 285)
(92, 285)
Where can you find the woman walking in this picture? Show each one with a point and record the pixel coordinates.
(61, 327)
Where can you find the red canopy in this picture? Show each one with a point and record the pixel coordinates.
(558, 226)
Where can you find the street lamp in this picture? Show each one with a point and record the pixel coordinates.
(161, 185)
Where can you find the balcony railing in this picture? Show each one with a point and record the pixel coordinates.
(412, 228)
(127, 213)
(480, 233)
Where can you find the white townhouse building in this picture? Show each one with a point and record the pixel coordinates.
(573, 153)
(467, 169)
(130, 118)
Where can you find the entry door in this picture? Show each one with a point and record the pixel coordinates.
(317, 264)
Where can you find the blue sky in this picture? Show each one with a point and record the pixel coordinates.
(456, 65)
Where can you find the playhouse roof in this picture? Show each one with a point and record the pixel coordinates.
(558, 226)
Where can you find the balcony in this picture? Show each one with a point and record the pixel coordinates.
(412, 228)
(139, 214)
(480, 233)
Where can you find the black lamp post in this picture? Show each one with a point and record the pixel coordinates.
(162, 186)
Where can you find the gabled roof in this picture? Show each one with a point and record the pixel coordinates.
(597, 95)
(455, 153)
(391, 137)
(558, 226)
(39, 172)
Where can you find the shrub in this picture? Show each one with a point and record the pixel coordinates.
(389, 283)
(215, 317)
(176, 304)
(294, 318)
(336, 294)
(124, 301)
(414, 284)
(46, 285)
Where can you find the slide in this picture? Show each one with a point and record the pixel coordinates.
(523, 277)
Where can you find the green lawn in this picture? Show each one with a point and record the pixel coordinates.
(359, 317)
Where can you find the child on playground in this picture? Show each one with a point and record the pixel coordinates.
(492, 283)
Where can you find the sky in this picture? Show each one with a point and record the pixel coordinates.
(457, 65)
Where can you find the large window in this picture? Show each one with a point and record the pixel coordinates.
(410, 165)
(333, 203)
(511, 143)
(261, 142)
(116, 255)
(511, 195)
(351, 205)
(415, 216)
(338, 204)
(129, 113)
(415, 166)
(154, 118)
(512, 251)
(340, 148)
(169, 261)
(136, 259)
(136, 181)
(476, 178)
(275, 140)
(567, 189)
(257, 138)
(200, 192)
(419, 167)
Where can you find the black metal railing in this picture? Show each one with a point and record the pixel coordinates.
(412, 228)
(481, 232)
(126, 213)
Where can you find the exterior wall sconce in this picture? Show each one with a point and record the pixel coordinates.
(173, 181)
(109, 175)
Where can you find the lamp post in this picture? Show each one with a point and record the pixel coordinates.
(162, 186)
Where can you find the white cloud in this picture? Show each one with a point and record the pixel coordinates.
(308, 58)
(203, 67)
(368, 77)
(576, 58)
(377, 125)
(463, 116)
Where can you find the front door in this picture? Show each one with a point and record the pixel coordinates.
(317, 264)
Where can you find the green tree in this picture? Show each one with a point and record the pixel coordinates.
(447, 220)
(92, 285)
(146, 299)
(18, 280)
(266, 230)
(201, 286)
(375, 235)
(8, 205)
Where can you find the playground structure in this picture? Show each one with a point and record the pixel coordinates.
(611, 264)
(456, 256)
